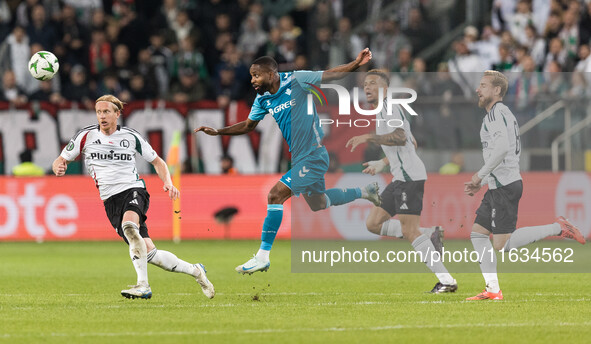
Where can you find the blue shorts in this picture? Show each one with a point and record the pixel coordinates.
(308, 177)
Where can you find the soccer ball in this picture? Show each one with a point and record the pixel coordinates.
(43, 65)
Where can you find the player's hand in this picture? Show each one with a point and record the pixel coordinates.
(356, 141)
(173, 192)
(60, 168)
(476, 180)
(373, 167)
(363, 57)
(471, 189)
(207, 130)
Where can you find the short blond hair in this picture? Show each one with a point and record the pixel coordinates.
(113, 100)
(498, 79)
(382, 73)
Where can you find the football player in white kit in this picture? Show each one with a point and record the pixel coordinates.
(404, 195)
(109, 154)
(497, 214)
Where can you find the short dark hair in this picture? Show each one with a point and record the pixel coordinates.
(382, 74)
(267, 62)
(26, 155)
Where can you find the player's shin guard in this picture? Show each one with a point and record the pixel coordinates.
(488, 260)
(341, 196)
(137, 251)
(271, 225)
(170, 262)
(432, 259)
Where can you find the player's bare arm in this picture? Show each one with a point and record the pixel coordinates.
(236, 129)
(162, 171)
(341, 71)
(59, 166)
(395, 138)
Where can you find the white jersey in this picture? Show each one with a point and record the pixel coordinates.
(500, 128)
(110, 160)
(405, 164)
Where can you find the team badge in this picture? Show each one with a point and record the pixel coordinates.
(124, 143)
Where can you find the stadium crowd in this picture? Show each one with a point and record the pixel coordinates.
(190, 50)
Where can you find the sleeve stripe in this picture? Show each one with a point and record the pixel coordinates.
(87, 128)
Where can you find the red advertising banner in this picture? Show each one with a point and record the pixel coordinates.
(69, 208)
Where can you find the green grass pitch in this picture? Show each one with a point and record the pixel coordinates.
(69, 293)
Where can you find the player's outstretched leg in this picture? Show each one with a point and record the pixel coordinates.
(170, 262)
(138, 254)
(527, 235)
(370, 192)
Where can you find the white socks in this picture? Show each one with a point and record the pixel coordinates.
(488, 261)
(393, 228)
(263, 255)
(137, 251)
(527, 235)
(424, 245)
(169, 262)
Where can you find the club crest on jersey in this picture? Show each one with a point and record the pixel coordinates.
(124, 143)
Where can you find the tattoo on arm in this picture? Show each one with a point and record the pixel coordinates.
(395, 138)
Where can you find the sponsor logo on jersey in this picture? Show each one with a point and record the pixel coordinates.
(97, 142)
(112, 156)
(282, 107)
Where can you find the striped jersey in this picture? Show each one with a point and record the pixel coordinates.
(500, 124)
(110, 160)
(405, 164)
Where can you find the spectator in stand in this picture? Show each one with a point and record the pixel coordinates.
(525, 88)
(10, 91)
(506, 59)
(27, 168)
(584, 59)
(99, 53)
(271, 47)
(15, 52)
(188, 88)
(553, 26)
(73, 36)
(160, 57)
(536, 45)
(98, 20)
(585, 25)
(419, 32)
(319, 56)
(24, 11)
(76, 89)
(464, 68)
(345, 44)
(183, 27)
(555, 54)
(110, 85)
(189, 57)
(138, 89)
(487, 47)
(166, 15)
(569, 35)
(386, 43)
(121, 65)
(5, 20)
(41, 30)
(132, 29)
(45, 93)
(146, 69)
(454, 166)
(521, 19)
(287, 27)
(226, 88)
(252, 37)
(227, 164)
